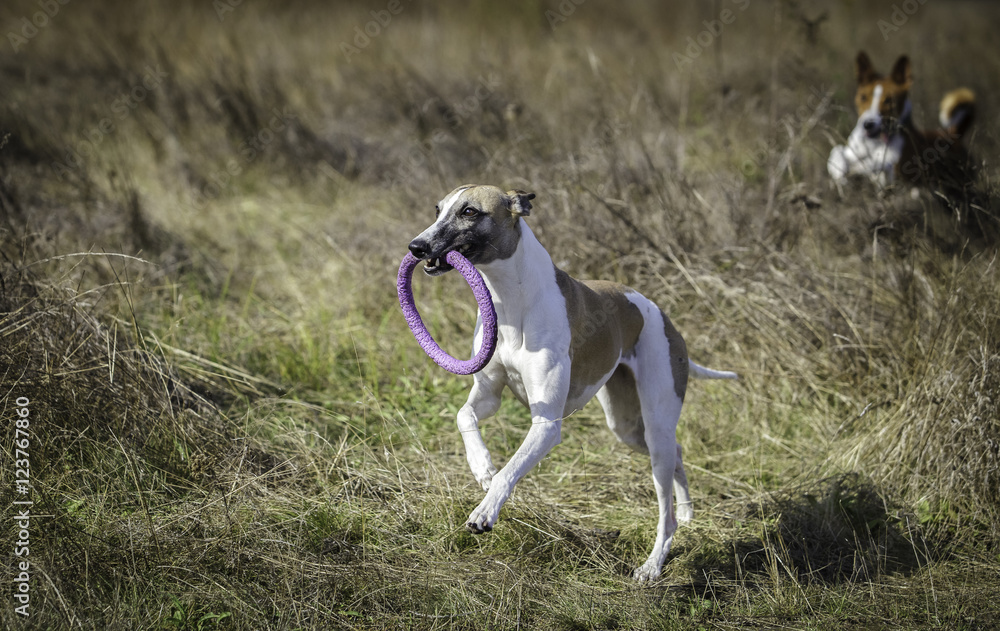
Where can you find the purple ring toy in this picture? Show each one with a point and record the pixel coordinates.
(487, 314)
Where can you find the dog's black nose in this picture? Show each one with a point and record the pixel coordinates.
(871, 125)
(419, 248)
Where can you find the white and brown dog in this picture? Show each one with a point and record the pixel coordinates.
(560, 343)
(885, 144)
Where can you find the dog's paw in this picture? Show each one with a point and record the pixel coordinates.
(484, 517)
(476, 528)
(647, 572)
(480, 522)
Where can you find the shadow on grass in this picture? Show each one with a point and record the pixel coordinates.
(837, 531)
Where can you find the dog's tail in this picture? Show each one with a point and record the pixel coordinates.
(958, 108)
(707, 373)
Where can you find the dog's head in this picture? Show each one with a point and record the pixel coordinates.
(480, 222)
(882, 102)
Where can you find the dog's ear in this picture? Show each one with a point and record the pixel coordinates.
(901, 72)
(520, 202)
(863, 69)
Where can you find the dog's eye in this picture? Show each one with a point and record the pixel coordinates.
(437, 211)
(864, 99)
(469, 211)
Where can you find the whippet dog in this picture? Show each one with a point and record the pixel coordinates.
(561, 342)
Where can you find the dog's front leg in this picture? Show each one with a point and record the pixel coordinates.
(545, 433)
(546, 390)
(483, 402)
(838, 166)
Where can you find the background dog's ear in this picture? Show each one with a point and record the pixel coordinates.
(863, 68)
(901, 72)
(520, 202)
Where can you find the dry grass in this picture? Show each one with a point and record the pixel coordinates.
(232, 427)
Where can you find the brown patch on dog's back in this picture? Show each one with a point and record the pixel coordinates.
(678, 357)
(602, 320)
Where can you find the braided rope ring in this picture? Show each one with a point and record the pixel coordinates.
(487, 314)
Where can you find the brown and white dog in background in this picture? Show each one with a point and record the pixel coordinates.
(885, 144)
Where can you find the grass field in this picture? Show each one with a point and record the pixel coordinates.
(225, 423)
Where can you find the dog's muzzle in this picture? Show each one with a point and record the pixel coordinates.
(435, 265)
(872, 128)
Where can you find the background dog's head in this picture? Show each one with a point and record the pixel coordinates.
(882, 102)
(480, 222)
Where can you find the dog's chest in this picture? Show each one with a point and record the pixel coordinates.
(515, 383)
(529, 347)
(512, 371)
(533, 338)
(586, 328)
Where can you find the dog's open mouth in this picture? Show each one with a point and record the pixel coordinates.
(886, 131)
(437, 266)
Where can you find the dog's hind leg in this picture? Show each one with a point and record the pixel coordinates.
(620, 401)
(661, 423)
(661, 368)
(685, 512)
(623, 411)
